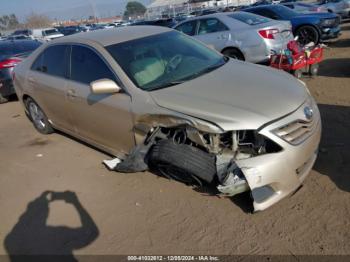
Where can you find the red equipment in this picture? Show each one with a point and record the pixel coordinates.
(297, 59)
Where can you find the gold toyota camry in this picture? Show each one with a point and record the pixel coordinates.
(160, 100)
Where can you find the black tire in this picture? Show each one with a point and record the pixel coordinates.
(307, 34)
(233, 53)
(3, 99)
(313, 70)
(298, 73)
(182, 162)
(38, 117)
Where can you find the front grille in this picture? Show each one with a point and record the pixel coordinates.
(296, 132)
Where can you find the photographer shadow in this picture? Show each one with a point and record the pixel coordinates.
(32, 236)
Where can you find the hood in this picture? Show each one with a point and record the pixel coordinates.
(236, 96)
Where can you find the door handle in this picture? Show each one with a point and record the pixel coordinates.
(71, 93)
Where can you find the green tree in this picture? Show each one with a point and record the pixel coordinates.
(134, 8)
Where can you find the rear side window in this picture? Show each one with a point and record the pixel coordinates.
(188, 28)
(52, 61)
(249, 19)
(210, 25)
(87, 66)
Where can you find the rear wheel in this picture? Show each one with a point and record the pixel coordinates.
(313, 70)
(297, 73)
(233, 53)
(307, 34)
(38, 117)
(3, 99)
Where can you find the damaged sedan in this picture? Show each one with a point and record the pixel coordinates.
(160, 100)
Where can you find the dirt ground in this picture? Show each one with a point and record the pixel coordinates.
(145, 214)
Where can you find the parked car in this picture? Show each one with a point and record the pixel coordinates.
(26, 32)
(313, 27)
(170, 22)
(305, 8)
(11, 54)
(340, 7)
(240, 35)
(70, 30)
(18, 37)
(186, 111)
(47, 34)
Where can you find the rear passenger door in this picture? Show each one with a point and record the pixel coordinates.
(102, 119)
(47, 79)
(213, 32)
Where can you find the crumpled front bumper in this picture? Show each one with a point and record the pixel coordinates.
(271, 177)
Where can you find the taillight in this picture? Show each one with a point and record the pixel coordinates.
(9, 63)
(268, 33)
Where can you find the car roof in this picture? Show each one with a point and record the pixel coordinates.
(106, 37)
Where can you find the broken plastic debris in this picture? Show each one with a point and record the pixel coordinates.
(39, 155)
(233, 185)
(112, 164)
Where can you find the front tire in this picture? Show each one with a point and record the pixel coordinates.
(182, 162)
(38, 117)
(307, 34)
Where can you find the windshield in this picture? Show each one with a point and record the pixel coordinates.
(164, 60)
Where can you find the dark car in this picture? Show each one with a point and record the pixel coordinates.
(312, 27)
(26, 32)
(70, 30)
(170, 22)
(11, 54)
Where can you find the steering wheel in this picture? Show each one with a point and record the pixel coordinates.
(173, 63)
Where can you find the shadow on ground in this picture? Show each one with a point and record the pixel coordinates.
(335, 67)
(31, 235)
(334, 157)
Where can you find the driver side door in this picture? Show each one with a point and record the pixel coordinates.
(105, 120)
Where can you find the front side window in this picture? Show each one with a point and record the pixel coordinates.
(188, 28)
(151, 64)
(52, 61)
(210, 25)
(87, 66)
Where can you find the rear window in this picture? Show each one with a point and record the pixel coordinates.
(249, 19)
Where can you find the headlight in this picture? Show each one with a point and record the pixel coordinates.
(327, 22)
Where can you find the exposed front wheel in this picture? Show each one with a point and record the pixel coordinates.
(38, 117)
(182, 162)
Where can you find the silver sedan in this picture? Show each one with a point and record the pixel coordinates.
(240, 35)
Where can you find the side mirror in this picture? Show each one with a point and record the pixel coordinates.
(104, 86)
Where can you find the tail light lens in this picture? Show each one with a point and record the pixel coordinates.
(268, 33)
(9, 63)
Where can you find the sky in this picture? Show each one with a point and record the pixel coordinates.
(60, 8)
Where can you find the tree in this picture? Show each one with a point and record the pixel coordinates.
(134, 8)
(8, 22)
(37, 21)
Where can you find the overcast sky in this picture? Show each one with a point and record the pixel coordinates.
(24, 7)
